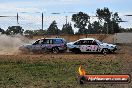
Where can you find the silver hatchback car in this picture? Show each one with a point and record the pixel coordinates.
(45, 44)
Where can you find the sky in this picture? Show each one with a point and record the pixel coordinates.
(30, 11)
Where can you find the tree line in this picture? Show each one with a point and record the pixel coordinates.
(107, 22)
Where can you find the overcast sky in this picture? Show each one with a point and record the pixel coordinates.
(30, 11)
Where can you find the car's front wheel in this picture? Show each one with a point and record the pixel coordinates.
(25, 51)
(55, 50)
(105, 51)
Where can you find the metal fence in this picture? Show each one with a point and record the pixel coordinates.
(123, 38)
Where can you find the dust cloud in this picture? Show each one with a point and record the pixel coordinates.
(9, 45)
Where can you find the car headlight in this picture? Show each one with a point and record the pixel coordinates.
(112, 46)
(70, 46)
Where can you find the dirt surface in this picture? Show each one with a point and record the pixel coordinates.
(124, 54)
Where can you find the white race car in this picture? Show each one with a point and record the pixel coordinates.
(90, 45)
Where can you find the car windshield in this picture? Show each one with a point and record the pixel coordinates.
(99, 42)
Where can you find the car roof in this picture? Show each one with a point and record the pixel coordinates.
(87, 39)
(50, 38)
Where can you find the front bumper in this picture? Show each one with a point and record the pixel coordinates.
(113, 49)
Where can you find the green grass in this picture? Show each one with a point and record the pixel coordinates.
(59, 73)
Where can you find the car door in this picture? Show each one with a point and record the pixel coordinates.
(37, 46)
(92, 46)
(87, 46)
(49, 44)
(83, 45)
(59, 43)
(46, 44)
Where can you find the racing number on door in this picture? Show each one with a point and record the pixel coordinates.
(92, 46)
(88, 46)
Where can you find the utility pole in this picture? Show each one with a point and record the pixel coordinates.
(112, 28)
(42, 21)
(66, 20)
(107, 28)
(17, 19)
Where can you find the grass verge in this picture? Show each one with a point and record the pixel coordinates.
(52, 73)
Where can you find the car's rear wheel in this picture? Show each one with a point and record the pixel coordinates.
(55, 50)
(105, 51)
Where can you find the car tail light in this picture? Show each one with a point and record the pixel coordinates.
(61, 45)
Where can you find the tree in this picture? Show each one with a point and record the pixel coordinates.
(2, 31)
(103, 14)
(126, 30)
(39, 32)
(96, 28)
(29, 32)
(110, 21)
(115, 20)
(53, 29)
(129, 29)
(81, 19)
(35, 32)
(89, 30)
(13, 30)
(67, 29)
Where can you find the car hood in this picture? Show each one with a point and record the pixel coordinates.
(70, 43)
(27, 44)
(24, 46)
(106, 44)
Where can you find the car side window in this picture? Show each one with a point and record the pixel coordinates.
(44, 41)
(94, 43)
(89, 42)
(47, 41)
(83, 42)
(57, 41)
